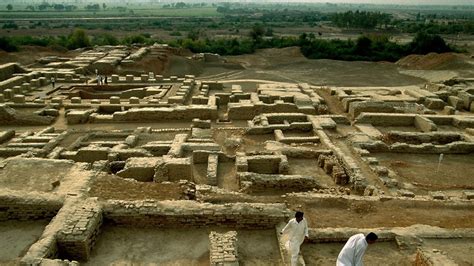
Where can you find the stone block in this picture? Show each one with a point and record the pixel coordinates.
(8, 93)
(456, 102)
(468, 195)
(406, 193)
(466, 98)
(438, 195)
(115, 78)
(76, 100)
(134, 100)
(449, 110)
(141, 169)
(17, 90)
(434, 103)
(26, 87)
(129, 78)
(424, 124)
(57, 101)
(19, 98)
(114, 100)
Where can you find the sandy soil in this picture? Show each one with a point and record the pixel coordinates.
(227, 176)
(17, 174)
(258, 248)
(459, 250)
(113, 187)
(289, 65)
(137, 246)
(309, 167)
(413, 169)
(381, 253)
(368, 215)
(16, 237)
(28, 54)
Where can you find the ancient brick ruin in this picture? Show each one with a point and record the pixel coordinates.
(225, 164)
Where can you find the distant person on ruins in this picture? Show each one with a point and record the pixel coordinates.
(354, 249)
(297, 231)
(52, 81)
(105, 80)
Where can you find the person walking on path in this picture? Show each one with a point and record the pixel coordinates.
(297, 231)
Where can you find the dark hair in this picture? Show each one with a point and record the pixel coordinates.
(299, 214)
(371, 237)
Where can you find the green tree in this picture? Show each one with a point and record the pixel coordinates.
(78, 39)
(9, 7)
(363, 45)
(257, 32)
(424, 43)
(180, 5)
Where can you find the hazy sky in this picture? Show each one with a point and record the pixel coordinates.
(405, 2)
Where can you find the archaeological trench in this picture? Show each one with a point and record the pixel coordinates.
(176, 170)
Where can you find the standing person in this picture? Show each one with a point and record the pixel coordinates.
(52, 81)
(353, 251)
(297, 231)
(105, 80)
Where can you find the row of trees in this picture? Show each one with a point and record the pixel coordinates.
(184, 5)
(361, 19)
(59, 7)
(365, 48)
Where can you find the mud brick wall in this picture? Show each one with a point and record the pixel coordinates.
(432, 258)
(384, 119)
(246, 111)
(458, 147)
(223, 249)
(418, 138)
(28, 206)
(150, 114)
(79, 233)
(175, 214)
(252, 182)
(212, 169)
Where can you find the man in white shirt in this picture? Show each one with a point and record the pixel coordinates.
(297, 231)
(353, 251)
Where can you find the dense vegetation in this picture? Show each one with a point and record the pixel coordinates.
(366, 47)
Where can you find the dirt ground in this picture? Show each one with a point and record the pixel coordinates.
(28, 54)
(421, 170)
(113, 187)
(459, 250)
(258, 248)
(309, 167)
(289, 65)
(16, 238)
(176, 247)
(380, 253)
(139, 246)
(17, 174)
(369, 215)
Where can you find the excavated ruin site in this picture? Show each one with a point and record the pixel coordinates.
(149, 169)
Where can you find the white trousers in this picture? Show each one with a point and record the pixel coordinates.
(293, 250)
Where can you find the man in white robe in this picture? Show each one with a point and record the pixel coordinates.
(354, 250)
(296, 231)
